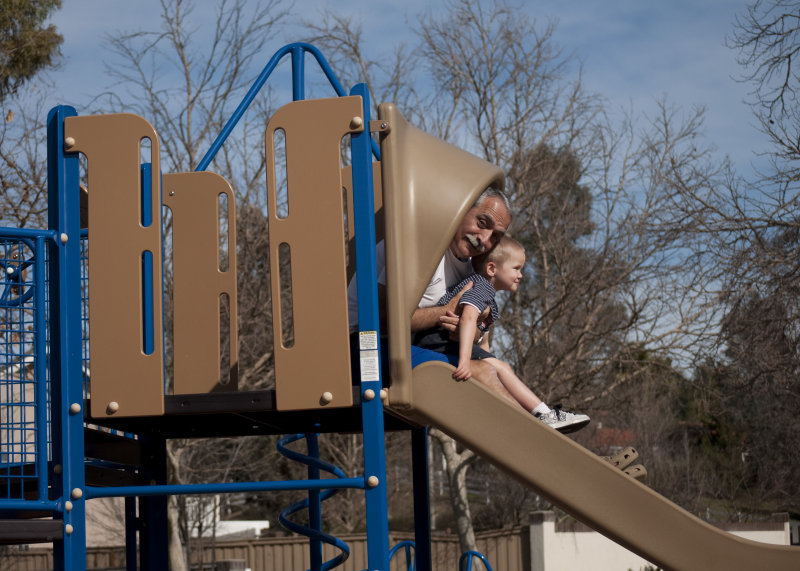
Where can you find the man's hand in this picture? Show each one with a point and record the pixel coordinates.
(429, 317)
(449, 321)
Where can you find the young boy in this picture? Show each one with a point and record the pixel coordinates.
(498, 270)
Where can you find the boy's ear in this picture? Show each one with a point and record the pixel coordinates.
(491, 268)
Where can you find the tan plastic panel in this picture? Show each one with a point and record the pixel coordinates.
(428, 187)
(198, 281)
(582, 483)
(314, 371)
(124, 380)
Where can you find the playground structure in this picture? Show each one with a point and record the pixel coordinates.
(87, 416)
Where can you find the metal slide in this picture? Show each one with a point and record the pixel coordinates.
(580, 482)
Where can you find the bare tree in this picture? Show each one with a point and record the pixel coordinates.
(457, 463)
(767, 38)
(611, 259)
(188, 86)
(23, 160)
(750, 228)
(389, 76)
(617, 260)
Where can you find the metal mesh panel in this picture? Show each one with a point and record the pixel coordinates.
(23, 424)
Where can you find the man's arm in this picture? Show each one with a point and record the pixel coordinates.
(429, 317)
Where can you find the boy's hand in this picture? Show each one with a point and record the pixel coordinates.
(462, 372)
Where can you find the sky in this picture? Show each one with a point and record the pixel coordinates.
(633, 52)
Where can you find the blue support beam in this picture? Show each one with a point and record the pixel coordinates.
(65, 343)
(314, 504)
(369, 330)
(422, 498)
(40, 367)
(153, 528)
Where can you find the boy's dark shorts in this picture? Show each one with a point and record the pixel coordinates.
(438, 341)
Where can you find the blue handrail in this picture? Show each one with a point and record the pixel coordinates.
(297, 52)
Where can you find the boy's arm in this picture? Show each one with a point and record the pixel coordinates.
(466, 337)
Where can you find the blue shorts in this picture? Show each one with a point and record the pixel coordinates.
(421, 355)
(438, 341)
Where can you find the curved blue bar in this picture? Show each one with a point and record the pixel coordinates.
(467, 558)
(297, 50)
(313, 503)
(406, 546)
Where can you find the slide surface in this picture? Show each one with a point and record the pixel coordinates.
(581, 482)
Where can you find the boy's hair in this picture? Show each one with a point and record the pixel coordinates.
(498, 254)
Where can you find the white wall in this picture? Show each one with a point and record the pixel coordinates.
(570, 550)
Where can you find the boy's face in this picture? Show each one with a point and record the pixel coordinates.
(508, 273)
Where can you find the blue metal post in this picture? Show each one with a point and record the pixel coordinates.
(40, 366)
(298, 73)
(131, 534)
(369, 332)
(65, 342)
(153, 540)
(314, 504)
(422, 503)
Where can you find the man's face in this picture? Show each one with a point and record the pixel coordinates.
(481, 228)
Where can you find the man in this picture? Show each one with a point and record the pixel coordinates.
(481, 228)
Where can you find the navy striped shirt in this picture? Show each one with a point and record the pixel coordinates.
(480, 297)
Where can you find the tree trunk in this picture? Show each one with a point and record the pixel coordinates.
(456, 466)
(177, 555)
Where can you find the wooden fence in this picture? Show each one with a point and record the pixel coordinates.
(506, 550)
